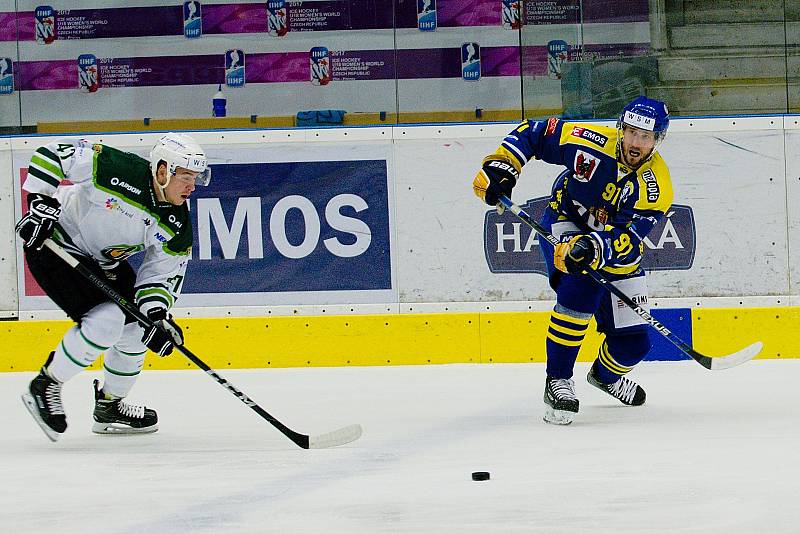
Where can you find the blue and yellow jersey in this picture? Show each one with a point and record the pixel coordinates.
(596, 192)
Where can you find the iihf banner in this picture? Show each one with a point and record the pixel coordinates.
(278, 18)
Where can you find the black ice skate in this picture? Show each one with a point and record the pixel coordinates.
(562, 404)
(43, 400)
(115, 416)
(625, 390)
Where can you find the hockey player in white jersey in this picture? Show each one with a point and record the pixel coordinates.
(119, 204)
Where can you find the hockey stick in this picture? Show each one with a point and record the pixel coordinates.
(717, 363)
(322, 441)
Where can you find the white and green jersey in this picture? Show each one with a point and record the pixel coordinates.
(110, 212)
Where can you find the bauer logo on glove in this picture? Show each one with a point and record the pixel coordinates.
(498, 176)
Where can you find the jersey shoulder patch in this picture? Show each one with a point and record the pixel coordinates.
(122, 172)
(552, 125)
(602, 138)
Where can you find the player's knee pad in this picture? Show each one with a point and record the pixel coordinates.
(103, 324)
(130, 341)
(627, 350)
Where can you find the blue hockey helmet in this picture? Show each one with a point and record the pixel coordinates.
(647, 114)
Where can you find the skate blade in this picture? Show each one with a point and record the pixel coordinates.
(119, 429)
(30, 404)
(558, 417)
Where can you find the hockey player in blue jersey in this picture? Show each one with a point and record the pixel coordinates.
(614, 190)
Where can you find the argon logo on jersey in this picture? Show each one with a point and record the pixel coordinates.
(512, 247)
(590, 135)
(585, 166)
(125, 185)
(653, 191)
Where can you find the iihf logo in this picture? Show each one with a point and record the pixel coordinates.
(6, 76)
(426, 15)
(234, 68)
(471, 62)
(88, 75)
(320, 66)
(192, 19)
(277, 18)
(511, 14)
(45, 22)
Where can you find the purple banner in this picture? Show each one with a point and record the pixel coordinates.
(446, 62)
(234, 18)
(362, 65)
(277, 68)
(537, 12)
(9, 22)
(616, 11)
(534, 60)
(331, 15)
(120, 22)
(552, 12)
(36, 75)
(161, 71)
(288, 67)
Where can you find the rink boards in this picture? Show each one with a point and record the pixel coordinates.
(366, 246)
(411, 339)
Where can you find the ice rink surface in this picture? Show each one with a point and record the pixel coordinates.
(710, 452)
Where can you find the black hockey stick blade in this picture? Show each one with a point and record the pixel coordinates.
(323, 441)
(715, 364)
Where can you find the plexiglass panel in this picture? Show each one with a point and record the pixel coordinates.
(119, 65)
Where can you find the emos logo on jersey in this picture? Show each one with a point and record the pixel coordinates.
(585, 166)
(590, 135)
(510, 246)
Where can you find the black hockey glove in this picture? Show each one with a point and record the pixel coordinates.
(163, 334)
(38, 224)
(498, 176)
(578, 254)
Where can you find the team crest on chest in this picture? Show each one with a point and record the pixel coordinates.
(585, 165)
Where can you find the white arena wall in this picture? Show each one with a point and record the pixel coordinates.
(735, 240)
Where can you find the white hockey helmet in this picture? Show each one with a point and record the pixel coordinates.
(180, 150)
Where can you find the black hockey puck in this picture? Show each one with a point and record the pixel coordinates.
(480, 475)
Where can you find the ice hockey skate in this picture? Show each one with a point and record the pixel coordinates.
(625, 390)
(560, 400)
(43, 400)
(115, 416)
